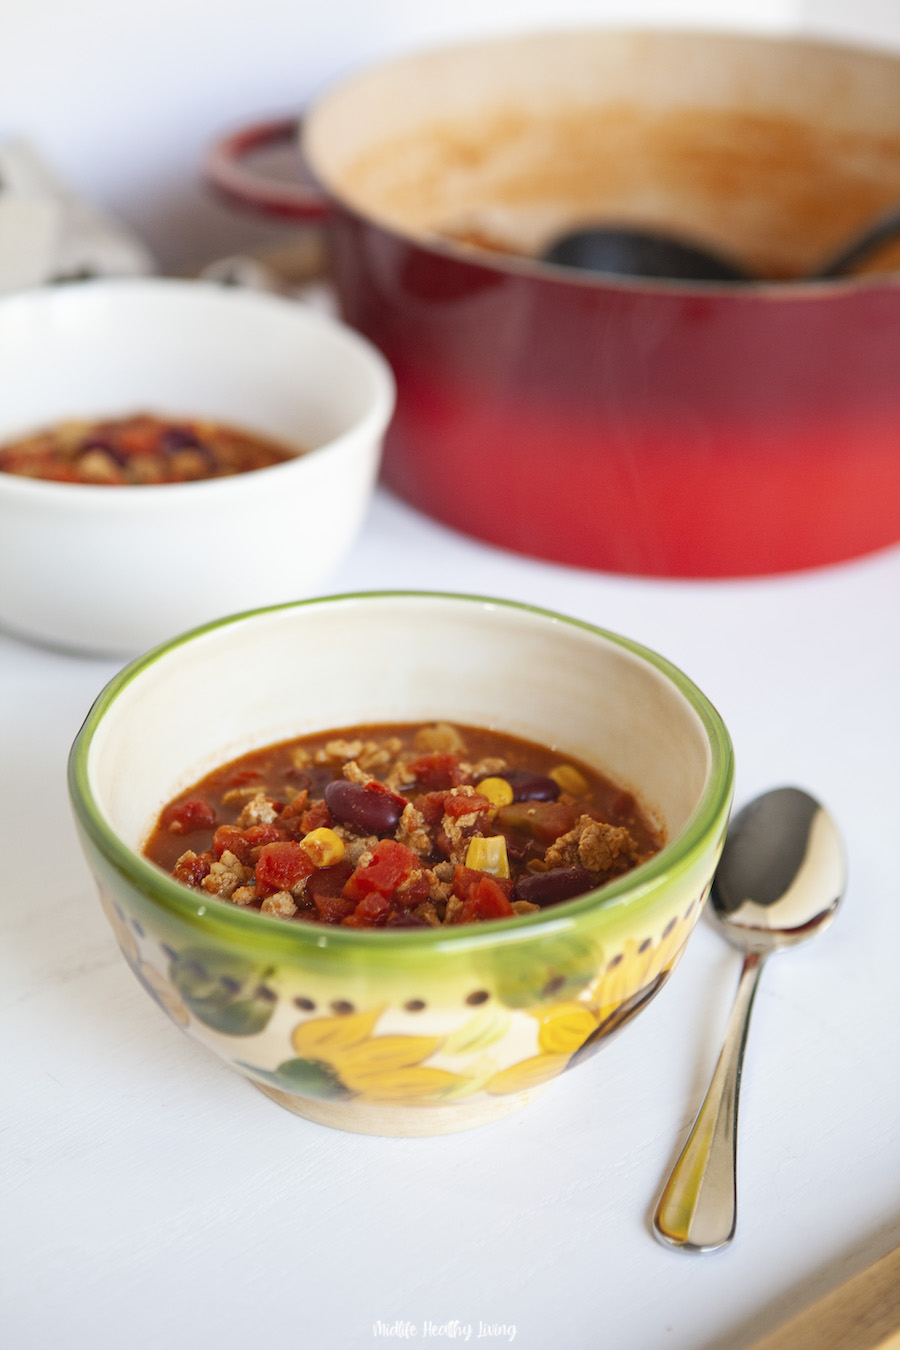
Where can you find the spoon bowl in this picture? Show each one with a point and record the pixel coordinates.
(780, 879)
(781, 875)
(641, 253)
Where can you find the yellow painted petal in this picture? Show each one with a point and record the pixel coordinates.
(480, 1031)
(478, 1072)
(565, 1028)
(382, 1053)
(325, 1037)
(527, 1074)
(467, 1085)
(622, 978)
(667, 951)
(404, 1084)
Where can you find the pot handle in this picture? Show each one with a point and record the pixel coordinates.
(226, 170)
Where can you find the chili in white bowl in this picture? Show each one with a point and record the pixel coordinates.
(91, 569)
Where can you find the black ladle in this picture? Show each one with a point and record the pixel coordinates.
(644, 253)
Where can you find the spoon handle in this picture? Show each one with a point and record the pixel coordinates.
(698, 1207)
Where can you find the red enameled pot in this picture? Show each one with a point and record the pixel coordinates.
(656, 428)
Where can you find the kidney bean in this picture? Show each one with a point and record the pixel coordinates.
(560, 883)
(328, 882)
(363, 810)
(404, 918)
(531, 787)
(178, 438)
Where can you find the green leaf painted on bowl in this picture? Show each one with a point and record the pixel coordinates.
(302, 1077)
(223, 992)
(309, 1078)
(558, 971)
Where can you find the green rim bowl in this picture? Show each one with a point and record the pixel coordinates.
(411, 1031)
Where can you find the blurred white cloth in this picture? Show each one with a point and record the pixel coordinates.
(48, 233)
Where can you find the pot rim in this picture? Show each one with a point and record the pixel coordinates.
(316, 204)
(533, 270)
(489, 262)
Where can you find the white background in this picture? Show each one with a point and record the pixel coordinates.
(124, 96)
(151, 1199)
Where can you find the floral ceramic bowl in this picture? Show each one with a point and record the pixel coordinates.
(402, 1031)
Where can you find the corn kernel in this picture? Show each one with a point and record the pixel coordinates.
(325, 848)
(488, 855)
(497, 791)
(569, 779)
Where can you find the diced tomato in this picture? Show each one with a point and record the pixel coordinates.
(390, 864)
(437, 771)
(231, 839)
(333, 908)
(191, 871)
(485, 900)
(140, 438)
(242, 843)
(419, 889)
(373, 785)
(431, 804)
(464, 878)
(281, 867)
(465, 804)
(241, 777)
(371, 912)
(259, 835)
(544, 821)
(290, 821)
(297, 805)
(317, 817)
(45, 468)
(195, 813)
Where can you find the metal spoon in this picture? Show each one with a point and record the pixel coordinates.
(780, 878)
(648, 253)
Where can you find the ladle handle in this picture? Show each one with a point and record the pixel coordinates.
(698, 1207)
(883, 231)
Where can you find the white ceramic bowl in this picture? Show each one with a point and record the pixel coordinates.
(117, 570)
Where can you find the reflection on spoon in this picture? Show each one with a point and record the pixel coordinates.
(780, 879)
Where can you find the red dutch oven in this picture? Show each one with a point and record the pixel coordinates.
(659, 428)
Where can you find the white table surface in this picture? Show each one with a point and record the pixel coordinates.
(152, 1198)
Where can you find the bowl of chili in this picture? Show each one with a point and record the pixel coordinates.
(401, 897)
(171, 451)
